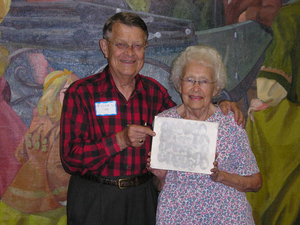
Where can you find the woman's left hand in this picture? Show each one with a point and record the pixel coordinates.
(215, 172)
(241, 183)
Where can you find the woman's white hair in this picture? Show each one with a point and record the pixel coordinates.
(205, 56)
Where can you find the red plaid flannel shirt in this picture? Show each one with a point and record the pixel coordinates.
(88, 142)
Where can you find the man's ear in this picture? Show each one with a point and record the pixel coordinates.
(104, 47)
(179, 88)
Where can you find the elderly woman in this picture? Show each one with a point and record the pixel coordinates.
(219, 198)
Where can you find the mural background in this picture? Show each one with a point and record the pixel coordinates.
(46, 45)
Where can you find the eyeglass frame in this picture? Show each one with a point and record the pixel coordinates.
(191, 81)
(127, 46)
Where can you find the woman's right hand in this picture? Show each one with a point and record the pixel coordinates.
(160, 175)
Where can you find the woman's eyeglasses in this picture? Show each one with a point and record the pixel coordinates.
(202, 83)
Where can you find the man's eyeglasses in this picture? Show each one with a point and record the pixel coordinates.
(124, 46)
(202, 83)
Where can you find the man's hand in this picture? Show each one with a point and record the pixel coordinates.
(133, 136)
(226, 106)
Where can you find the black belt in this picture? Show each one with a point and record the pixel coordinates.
(122, 183)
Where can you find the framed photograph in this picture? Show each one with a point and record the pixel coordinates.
(184, 145)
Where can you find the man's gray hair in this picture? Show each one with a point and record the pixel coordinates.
(126, 18)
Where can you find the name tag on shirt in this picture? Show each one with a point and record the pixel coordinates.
(108, 108)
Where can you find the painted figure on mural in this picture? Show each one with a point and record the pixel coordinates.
(4, 8)
(262, 11)
(40, 66)
(12, 128)
(41, 183)
(207, 14)
(274, 129)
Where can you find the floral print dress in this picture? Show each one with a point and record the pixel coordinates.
(193, 198)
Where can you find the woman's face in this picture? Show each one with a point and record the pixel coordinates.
(195, 95)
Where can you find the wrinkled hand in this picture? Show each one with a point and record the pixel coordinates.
(134, 136)
(226, 106)
(215, 172)
(160, 174)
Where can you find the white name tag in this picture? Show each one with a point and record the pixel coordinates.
(106, 108)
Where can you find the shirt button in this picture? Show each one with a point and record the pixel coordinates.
(128, 167)
(127, 125)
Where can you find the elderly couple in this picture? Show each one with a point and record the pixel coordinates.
(105, 144)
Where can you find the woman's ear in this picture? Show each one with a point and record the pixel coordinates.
(104, 47)
(216, 91)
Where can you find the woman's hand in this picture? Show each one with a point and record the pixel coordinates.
(215, 172)
(250, 183)
(160, 175)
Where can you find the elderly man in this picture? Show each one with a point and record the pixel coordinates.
(106, 135)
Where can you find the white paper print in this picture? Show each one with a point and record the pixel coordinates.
(184, 145)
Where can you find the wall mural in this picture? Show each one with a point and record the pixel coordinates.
(47, 45)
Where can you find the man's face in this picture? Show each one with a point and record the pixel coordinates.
(129, 61)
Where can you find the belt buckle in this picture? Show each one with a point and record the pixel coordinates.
(119, 182)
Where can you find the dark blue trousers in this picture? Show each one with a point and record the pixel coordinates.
(91, 203)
